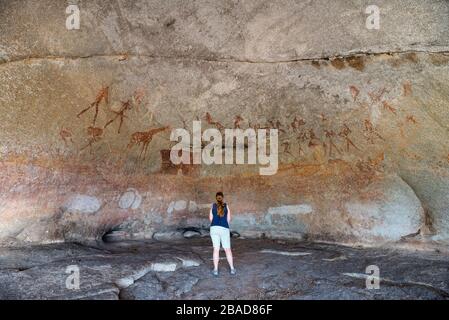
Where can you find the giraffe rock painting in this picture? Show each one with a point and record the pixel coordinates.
(144, 138)
(120, 114)
(103, 95)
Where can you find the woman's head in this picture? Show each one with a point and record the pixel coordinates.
(220, 205)
(219, 196)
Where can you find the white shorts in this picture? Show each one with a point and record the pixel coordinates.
(220, 234)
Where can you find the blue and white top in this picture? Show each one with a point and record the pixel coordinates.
(217, 220)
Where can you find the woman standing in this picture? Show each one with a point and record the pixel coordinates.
(220, 217)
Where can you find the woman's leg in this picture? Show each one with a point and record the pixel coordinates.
(226, 241)
(216, 244)
(216, 257)
(229, 257)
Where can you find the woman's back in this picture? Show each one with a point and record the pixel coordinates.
(217, 220)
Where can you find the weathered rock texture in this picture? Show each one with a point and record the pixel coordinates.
(266, 269)
(363, 117)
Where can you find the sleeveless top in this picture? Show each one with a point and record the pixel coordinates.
(217, 220)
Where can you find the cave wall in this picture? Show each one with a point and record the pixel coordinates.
(362, 117)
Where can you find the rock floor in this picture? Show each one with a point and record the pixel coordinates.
(266, 269)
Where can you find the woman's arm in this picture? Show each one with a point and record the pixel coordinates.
(211, 217)
(229, 214)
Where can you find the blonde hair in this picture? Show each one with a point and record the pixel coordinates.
(220, 204)
(220, 209)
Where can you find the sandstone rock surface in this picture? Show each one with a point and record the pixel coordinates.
(362, 118)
